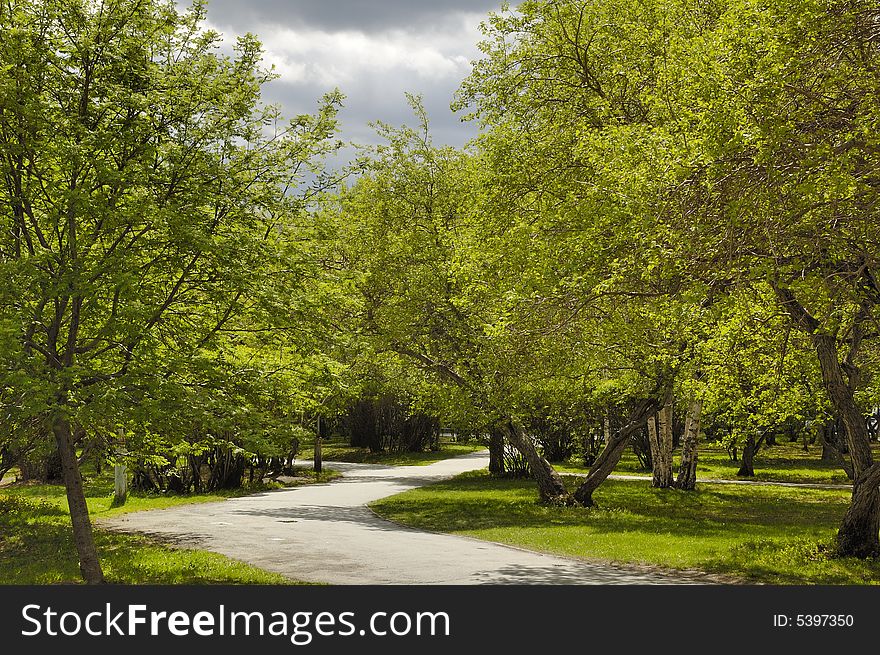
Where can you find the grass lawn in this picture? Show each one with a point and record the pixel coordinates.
(785, 462)
(341, 452)
(36, 542)
(757, 534)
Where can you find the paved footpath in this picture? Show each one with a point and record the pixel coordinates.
(325, 533)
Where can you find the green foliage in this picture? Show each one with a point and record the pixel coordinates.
(759, 373)
(151, 256)
(658, 165)
(656, 187)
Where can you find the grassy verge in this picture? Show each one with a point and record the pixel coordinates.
(36, 544)
(758, 534)
(785, 462)
(340, 452)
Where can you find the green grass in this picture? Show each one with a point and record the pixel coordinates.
(36, 543)
(99, 494)
(785, 462)
(756, 534)
(340, 452)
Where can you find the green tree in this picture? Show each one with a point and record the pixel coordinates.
(780, 104)
(759, 373)
(424, 268)
(142, 197)
(572, 96)
(712, 148)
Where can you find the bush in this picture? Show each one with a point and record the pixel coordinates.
(205, 467)
(386, 423)
(515, 465)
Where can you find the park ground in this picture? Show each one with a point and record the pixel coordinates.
(755, 533)
(36, 545)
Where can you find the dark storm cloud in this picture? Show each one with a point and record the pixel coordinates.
(362, 15)
(374, 52)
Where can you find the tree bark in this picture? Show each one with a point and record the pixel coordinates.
(89, 564)
(662, 465)
(831, 450)
(550, 486)
(318, 463)
(610, 455)
(654, 443)
(687, 472)
(859, 533)
(830, 453)
(857, 536)
(496, 451)
(120, 478)
(747, 467)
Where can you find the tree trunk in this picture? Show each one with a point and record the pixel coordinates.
(89, 565)
(831, 451)
(318, 463)
(550, 486)
(654, 443)
(120, 479)
(588, 444)
(687, 472)
(610, 455)
(747, 468)
(859, 534)
(662, 468)
(496, 451)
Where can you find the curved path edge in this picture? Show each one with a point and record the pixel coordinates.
(325, 533)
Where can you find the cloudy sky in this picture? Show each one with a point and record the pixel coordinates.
(372, 50)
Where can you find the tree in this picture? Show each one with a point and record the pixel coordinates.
(143, 193)
(779, 102)
(423, 267)
(660, 439)
(729, 145)
(571, 96)
(758, 372)
(687, 473)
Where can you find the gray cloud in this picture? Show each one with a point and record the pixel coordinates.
(374, 52)
(363, 15)
(383, 100)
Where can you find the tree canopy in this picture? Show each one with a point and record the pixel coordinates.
(671, 210)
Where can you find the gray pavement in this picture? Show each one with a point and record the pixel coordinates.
(325, 533)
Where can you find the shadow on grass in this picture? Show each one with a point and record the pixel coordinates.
(783, 462)
(794, 562)
(476, 501)
(764, 534)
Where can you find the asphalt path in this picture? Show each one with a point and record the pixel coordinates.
(325, 533)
